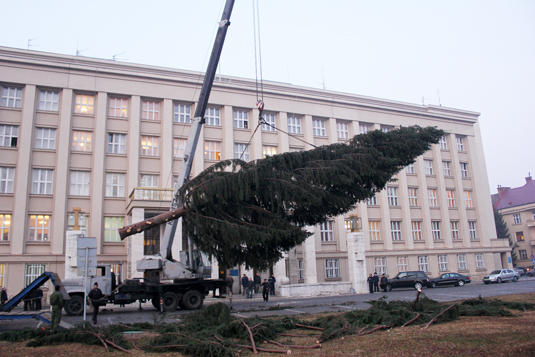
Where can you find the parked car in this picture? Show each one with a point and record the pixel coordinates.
(520, 270)
(408, 279)
(530, 270)
(449, 279)
(501, 275)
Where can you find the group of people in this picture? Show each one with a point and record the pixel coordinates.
(373, 282)
(32, 301)
(251, 286)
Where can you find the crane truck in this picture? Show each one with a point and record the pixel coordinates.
(166, 282)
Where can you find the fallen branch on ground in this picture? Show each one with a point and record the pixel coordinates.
(411, 321)
(435, 318)
(310, 327)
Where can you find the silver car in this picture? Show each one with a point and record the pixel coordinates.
(501, 275)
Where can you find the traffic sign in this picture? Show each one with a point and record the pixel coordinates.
(532, 261)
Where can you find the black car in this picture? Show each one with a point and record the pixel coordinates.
(449, 279)
(408, 279)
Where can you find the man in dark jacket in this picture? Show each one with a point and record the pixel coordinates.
(257, 282)
(375, 282)
(384, 282)
(265, 290)
(250, 289)
(3, 296)
(56, 301)
(244, 283)
(37, 299)
(272, 282)
(230, 283)
(94, 297)
(370, 283)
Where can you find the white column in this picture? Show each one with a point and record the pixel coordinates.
(357, 262)
(135, 247)
(71, 253)
(309, 259)
(279, 271)
(99, 174)
(134, 138)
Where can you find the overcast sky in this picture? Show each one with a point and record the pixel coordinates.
(477, 55)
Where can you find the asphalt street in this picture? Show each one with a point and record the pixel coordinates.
(279, 306)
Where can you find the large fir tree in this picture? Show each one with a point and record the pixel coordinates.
(250, 212)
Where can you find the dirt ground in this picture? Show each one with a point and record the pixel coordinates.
(469, 336)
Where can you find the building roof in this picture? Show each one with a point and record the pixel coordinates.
(516, 196)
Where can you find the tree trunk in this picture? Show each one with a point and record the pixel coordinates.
(151, 222)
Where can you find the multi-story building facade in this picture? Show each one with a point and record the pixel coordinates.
(517, 207)
(92, 144)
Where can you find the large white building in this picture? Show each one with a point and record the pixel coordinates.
(102, 141)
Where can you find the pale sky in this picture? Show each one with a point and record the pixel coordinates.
(477, 55)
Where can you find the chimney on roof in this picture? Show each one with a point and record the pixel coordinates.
(528, 179)
(502, 189)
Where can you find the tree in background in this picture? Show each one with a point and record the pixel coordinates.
(251, 212)
(503, 233)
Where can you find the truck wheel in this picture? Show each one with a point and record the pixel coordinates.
(192, 300)
(170, 301)
(156, 303)
(74, 306)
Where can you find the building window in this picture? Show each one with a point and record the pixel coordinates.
(435, 230)
(294, 125)
(115, 185)
(432, 197)
(318, 127)
(372, 201)
(150, 110)
(8, 135)
(182, 114)
(179, 146)
(11, 97)
(301, 270)
(32, 272)
(392, 193)
(332, 269)
(2, 273)
(111, 226)
(468, 198)
(269, 150)
(79, 183)
(7, 179)
(39, 228)
(42, 181)
(446, 168)
(241, 151)
(149, 181)
(403, 264)
(409, 169)
(386, 129)
(395, 228)
(413, 197)
(343, 130)
(241, 119)
(472, 230)
(416, 230)
(520, 236)
(364, 128)
(212, 150)
(45, 138)
(464, 169)
(82, 222)
(443, 143)
(327, 232)
(5, 224)
(269, 122)
(480, 261)
(443, 263)
(211, 115)
(118, 107)
(81, 141)
(48, 100)
(84, 104)
(149, 145)
(423, 263)
(374, 230)
(451, 198)
(460, 144)
(523, 254)
(428, 164)
(517, 219)
(116, 143)
(454, 226)
(461, 262)
(380, 265)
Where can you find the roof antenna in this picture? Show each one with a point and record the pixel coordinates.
(78, 52)
(423, 100)
(116, 57)
(30, 40)
(438, 93)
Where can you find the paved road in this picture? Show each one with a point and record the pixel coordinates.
(278, 306)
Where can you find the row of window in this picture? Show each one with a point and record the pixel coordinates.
(39, 226)
(446, 168)
(517, 219)
(392, 195)
(416, 229)
(380, 265)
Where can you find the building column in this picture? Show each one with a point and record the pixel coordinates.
(135, 247)
(134, 139)
(309, 259)
(99, 171)
(357, 262)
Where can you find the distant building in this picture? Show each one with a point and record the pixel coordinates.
(517, 207)
(91, 145)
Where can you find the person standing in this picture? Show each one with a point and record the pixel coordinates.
(272, 282)
(370, 283)
(37, 299)
(265, 290)
(250, 289)
(230, 283)
(384, 282)
(3, 296)
(244, 283)
(94, 298)
(56, 301)
(28, 300)
(257, 282)
(375, 282)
